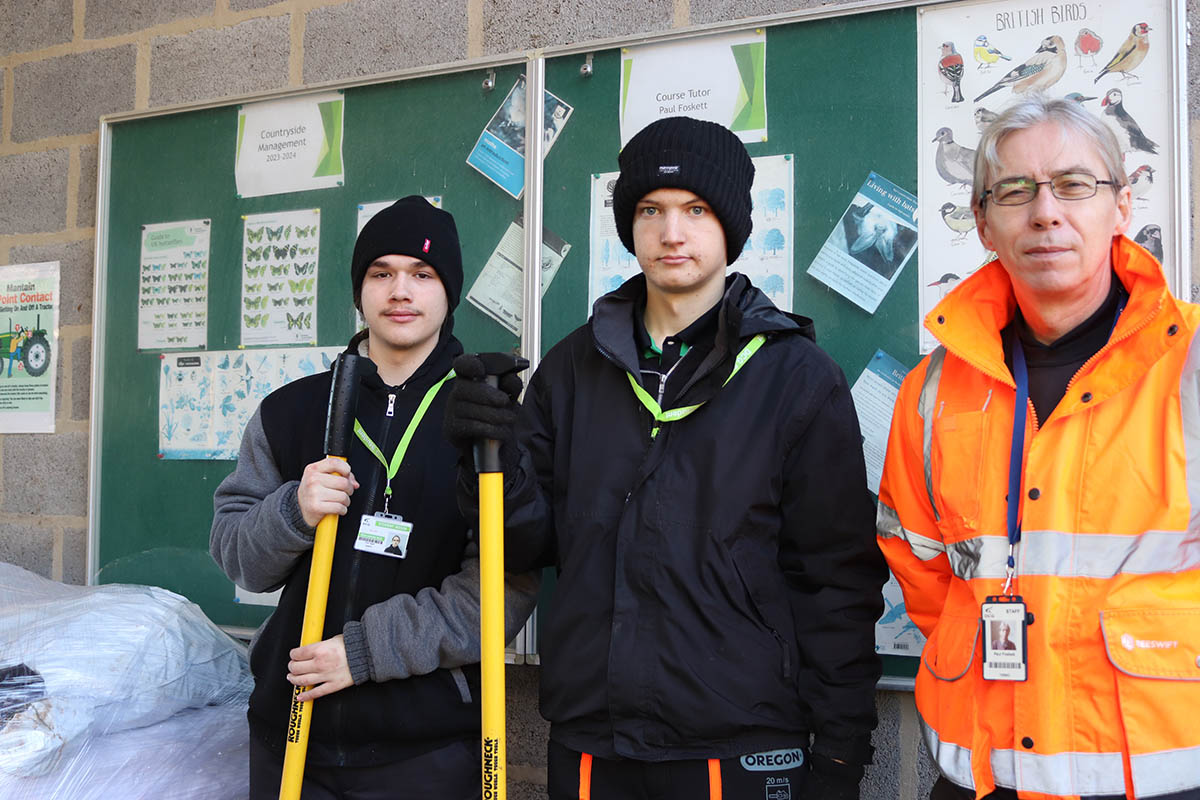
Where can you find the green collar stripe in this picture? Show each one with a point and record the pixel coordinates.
(676, 414)
(402, 447)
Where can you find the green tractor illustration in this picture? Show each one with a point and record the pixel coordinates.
(27, 344)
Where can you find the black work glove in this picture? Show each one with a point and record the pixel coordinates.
(475, 410)
(831, 780)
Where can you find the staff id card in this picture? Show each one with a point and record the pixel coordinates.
(1004, 623)
(384, 535)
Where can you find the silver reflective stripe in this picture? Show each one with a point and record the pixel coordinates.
(1078, 555)
(1103, 555)
(1189, 407)
(1068, 773)
(1059, 774)
(1165, 772)
(929, 390)
(953, 760)
(981, 557)
(887, 525)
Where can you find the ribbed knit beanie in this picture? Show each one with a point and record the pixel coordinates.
(411, 227)
(685, 153)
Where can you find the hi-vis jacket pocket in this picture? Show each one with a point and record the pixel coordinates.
(957, 462)
(950, 651)
(1156, 656)
(1153, 642)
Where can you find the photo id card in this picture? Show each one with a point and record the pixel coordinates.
(1004, 639)
(384, 535)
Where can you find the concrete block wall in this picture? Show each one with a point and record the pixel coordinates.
(64, 63)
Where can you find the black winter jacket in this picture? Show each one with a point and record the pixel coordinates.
(719, 583)
(374, 722)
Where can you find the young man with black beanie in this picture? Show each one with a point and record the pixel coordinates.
(690, 462)
(397, 677)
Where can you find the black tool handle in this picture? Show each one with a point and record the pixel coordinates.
(495, 366)
(343, 402)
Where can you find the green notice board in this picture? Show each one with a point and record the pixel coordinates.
(839, 118)
(407, 137)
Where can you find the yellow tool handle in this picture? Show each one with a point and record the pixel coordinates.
(312, 631)
(491, 640)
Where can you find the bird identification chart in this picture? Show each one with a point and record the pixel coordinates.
(173, 285)
(974, 59)
(870, 244)
(279, 277)
(205, 399)
(766, 259)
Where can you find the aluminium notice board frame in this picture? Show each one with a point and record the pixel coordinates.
(831, 112)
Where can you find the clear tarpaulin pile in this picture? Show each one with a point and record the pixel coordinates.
(116, 691)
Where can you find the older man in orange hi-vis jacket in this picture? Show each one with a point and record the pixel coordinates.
(1076, 520)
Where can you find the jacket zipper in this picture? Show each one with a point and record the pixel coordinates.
(787, 654)
(355, 565)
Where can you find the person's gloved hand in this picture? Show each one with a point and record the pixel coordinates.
(475, 410)
(831, 780)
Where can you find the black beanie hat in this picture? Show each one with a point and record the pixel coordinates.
(411, 227)
(685, 153)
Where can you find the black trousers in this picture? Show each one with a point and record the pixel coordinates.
(449, 773)
(577, 776)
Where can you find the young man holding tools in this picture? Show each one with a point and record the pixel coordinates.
(717, 580)
(398, 715)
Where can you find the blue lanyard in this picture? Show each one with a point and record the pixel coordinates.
(1021, 375)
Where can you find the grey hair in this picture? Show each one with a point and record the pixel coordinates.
(1035, 109)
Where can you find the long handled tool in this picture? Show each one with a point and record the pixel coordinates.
(339, 435)
(491, 589)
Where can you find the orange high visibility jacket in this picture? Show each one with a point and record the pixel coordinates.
(1109, 557)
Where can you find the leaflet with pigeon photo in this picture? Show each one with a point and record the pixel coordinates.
(975, 59)
(870, 244)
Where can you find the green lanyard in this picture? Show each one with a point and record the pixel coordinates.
(402, 447)
(675, 414)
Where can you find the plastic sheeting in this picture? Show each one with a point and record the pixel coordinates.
(95, 687)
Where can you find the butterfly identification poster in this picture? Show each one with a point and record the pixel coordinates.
(173, 285)
(279, 277)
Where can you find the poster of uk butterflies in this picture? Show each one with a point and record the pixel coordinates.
(173, 285)
(279, 277)
(206, 399)
(975, 59)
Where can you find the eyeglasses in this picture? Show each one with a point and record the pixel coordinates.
(1068, 186)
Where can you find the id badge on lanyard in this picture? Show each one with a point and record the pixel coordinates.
(1003, 616)
(1004, 653)
(383, 533)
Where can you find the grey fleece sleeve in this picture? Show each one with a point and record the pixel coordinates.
(435, 628)
(258, 533)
